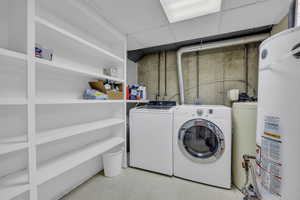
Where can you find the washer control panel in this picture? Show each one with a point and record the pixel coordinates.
(210, 112)
(200, 112)
(204, 112)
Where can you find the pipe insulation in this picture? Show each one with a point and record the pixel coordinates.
(246, 60)
(208, 46)
(198, 75)
(166, 75)
(158, 78)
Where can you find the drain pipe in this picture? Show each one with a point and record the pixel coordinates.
(213, 45)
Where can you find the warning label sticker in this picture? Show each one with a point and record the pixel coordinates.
(271, 150)
(271, 183)
(270, 164)
(271, 127)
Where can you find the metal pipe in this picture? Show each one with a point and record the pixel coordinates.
(158, 79)
(213, 45)
(166, 75)
(198, 75)
(246, 68)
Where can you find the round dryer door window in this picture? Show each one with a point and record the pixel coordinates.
(201, 141)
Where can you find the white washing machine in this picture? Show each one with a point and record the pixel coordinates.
(151, 136)
(202, 144)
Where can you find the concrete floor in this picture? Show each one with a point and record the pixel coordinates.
(135, 184)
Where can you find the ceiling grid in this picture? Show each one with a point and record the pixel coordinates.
(146, 24)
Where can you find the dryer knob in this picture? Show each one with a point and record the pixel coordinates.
(199, 112)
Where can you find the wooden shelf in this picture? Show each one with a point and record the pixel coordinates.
(13, 101)
(74, 101)
(64, 67)
(53, 36)
(12, 144)
(10, 192)
(7, 55)
(100, 30)
(14, 179)
(54, 168)
(16, 139)
(14, 185)
(61, 133)
(12, 59)
(8, 148)
(64, 163)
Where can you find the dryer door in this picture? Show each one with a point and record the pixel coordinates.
(201, 141)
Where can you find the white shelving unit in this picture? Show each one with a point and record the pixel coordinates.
(46, 24)
(74, 101)
(64, 163)
(57, 166)
(52, 34)
(61, 133)
(61, 67)
(49, 130)
(8, 193)
(11, 101)
(7, 148)
(11, 56)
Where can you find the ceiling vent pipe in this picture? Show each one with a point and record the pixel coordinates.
(208, 46)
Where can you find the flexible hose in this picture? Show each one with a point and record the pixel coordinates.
(254, 182)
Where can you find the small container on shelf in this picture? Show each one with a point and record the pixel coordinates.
(112, 90)
(94, 94)
(111, 71)
(42, 52)
(136, 92)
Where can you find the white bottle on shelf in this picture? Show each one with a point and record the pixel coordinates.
(143, 92)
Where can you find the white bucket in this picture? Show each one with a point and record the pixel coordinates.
(112, 162)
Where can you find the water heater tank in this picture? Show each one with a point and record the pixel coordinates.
(278, 120)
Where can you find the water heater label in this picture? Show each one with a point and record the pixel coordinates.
(271, 160)
(271, 127)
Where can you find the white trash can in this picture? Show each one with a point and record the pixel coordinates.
(112, 162)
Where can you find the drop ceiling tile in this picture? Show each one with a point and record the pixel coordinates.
(251, 16)
(281, 8)
(155, 37)
(229, 4)
(197, 28)
(146, 24)
(132, 15)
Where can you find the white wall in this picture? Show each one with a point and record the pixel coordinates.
(132, 77)
(3, 24)
(298, 13)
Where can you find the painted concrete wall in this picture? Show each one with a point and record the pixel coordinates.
(219, 71)
(283, 25)
(131, 72)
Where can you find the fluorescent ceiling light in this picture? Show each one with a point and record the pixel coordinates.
(179, 10)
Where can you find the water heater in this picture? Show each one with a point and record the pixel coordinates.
(278, 120)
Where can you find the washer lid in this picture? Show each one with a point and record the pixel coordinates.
(201, 141)
(145, 110)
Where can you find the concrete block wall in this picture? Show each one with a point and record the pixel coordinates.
(218, 71)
